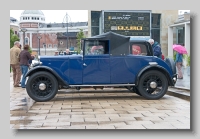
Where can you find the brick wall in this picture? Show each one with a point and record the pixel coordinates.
(50, 39)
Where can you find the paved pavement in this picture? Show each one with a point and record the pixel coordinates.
(100, 109)
(185, 82)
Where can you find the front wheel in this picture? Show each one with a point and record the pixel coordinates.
(42, 86)
(153, 85)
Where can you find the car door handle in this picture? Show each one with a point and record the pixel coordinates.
(84, 64)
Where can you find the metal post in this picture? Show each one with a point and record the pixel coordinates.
(39, 46)
(39, 37)
(67, 28)
(23, 39)
(66, 16)
(23, 30)
(44, 47)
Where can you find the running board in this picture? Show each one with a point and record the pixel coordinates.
(91, 85)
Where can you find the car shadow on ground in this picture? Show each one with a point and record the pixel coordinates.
(90, 95)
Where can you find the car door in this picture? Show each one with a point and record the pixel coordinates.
(96, 63)
(124, 68)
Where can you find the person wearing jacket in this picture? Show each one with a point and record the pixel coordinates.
(24, 58)
(14, 63)
(156, 48)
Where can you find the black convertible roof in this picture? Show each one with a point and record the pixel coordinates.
(119, 44)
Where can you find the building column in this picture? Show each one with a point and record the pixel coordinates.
(187, 37)
(89, 23)
(170, 42)
(30, 39)
(21, 38)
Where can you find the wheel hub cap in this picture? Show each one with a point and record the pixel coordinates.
(153, 84)
(42, 86)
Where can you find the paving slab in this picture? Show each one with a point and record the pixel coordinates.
(114, 108)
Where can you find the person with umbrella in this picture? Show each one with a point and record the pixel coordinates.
(179, 64)
(179, 58)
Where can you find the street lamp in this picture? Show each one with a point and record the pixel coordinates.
(67, 27)
(39, 37)
(44, 47)
(23, 30)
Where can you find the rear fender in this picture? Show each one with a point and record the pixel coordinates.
(156, 67)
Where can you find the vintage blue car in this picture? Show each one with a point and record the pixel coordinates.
(108, 59)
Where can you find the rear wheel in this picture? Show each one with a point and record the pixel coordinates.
(153, 85)
(42, 86)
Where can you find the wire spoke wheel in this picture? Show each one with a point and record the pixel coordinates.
(42, 86)
(153, 85)
(42, 81)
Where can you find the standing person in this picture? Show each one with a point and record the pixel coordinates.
(179, 64)
(20, 46)
(67, 52)
(56, 53)
(14, 63)
(61, 53)
(156, 48)
(24, 56)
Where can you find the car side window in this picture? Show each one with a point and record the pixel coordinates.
(96, 47)
(138, 49)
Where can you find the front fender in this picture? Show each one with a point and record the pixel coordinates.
(155, 67)
(47, 69)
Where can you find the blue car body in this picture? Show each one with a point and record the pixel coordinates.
(111, 65)
(101, 69)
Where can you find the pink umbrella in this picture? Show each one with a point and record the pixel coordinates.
(180, 49)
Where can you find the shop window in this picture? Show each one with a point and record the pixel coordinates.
(50, 45)
(26, 41)
(155, 34)
(55, 45)
(44, 45)
(155, 20)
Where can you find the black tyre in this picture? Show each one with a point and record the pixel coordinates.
(42, 86)
(153, 85)
(134, 89)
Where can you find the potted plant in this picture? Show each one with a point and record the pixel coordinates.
(174, 55)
